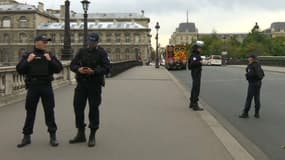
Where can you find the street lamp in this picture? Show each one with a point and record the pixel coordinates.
(67, 50)
(157, 27)
(85, 5)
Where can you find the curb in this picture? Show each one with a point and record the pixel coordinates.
(236, 150)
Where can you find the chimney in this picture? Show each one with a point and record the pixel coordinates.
(41, 7)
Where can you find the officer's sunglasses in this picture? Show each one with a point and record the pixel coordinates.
(45, 42)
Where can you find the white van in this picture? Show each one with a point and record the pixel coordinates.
(215, 60)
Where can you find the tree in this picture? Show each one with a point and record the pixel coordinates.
(277, 46)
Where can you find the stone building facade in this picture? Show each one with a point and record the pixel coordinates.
(184, 34)
(126, 36)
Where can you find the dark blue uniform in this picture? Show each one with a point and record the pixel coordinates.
(195, 65)
(89, 87)
(38, 77)
(254, 75)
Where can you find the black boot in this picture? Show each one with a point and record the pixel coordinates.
(25, 141)
(196, 107)
(244, 115)
(191, 105)
(92, 140)
(79, 138)
(53, 142)
(256, 115)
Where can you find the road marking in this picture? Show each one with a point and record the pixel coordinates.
(231, 144)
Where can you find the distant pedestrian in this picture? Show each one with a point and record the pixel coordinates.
(195, 65)
(254, 75)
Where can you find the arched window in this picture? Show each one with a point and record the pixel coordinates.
(6, 38)
(23, 37)
(6, 22)
(23, 22)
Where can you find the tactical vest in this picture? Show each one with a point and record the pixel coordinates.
(91, 59)
(39, 66)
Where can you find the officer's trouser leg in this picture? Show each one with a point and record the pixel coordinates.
(250, 95)
(32, 100)
(257, 97)
(94, 100)
(79, 103)
(196, 84)
(47, 97)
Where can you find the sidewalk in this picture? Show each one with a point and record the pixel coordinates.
(265, 68)
(145, 116)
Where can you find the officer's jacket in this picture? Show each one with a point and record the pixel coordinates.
(194, 61)
(94, 58)
(251, 72)
(40, 67)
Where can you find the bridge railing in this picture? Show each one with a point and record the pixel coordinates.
(119, 67)
(12, 84)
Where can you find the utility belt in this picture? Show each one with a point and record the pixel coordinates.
(100, 80)
(37, 81)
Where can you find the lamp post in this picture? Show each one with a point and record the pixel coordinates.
(67, 51)
(85, 5)
(157, 27)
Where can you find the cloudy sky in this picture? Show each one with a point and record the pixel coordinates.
(224, 16)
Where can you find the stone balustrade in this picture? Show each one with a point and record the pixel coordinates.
(12, 85)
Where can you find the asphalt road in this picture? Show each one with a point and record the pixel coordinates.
(225, 88)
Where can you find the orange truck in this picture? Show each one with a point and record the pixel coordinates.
(176, 57)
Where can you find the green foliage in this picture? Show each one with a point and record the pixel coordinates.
(255, 43)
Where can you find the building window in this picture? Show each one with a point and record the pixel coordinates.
(72, 38)
(127, 51)
(128, 38)
(21, 52)
(100, 36)
(118, 50)
(23, 37)
(53, 37)
(137, 38)
(6, 38)
(1, 57)
(118, 37)
(81, 37)
(108, 50)
(118, 57)
(109, 37)
(23, 22)
(61, 38)
(6, 22)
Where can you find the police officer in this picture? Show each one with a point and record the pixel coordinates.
(254, 75)
(38, 66)
(90, 65)
(195, 65)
